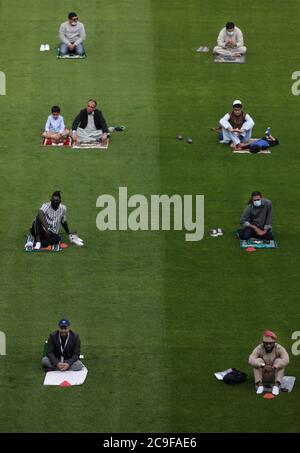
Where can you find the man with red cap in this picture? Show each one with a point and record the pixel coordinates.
(269, 360)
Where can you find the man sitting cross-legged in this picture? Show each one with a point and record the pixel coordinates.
(257, 219)
(236, 126)
(63, 349)
(89, 126)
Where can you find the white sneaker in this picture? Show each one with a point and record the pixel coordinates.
(220, 232)
(275, 390)
(29, 244)
(47, 47)
(37, 246)
(260, 390)
(42, 48)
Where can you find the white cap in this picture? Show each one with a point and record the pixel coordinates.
(237, 101)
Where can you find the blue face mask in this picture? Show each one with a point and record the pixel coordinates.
(230, 33)
(257, 203)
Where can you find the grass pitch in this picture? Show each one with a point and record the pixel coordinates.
(156, 315)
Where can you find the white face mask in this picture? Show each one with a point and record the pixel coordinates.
(230, 33)
(257, 203)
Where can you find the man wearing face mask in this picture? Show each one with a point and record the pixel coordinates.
(257, 219)
(230, 42)
(89, 126)
(63, 349)
(236, 126)
(46, 225)
(72, 34)
(269, 360)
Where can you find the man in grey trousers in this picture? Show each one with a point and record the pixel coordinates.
(63, 349)
(72, 34)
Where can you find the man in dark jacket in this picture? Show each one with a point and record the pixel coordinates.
(257, 219)
(63, 349)
(89, 126)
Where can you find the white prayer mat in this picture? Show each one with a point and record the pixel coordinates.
(229, 59)
(220, 374)
(247, 151)
(92, 145)
(288, 383)
(65, 378)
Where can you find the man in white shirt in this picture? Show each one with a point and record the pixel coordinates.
(55, 129)
(46, 225)
(230, 42)
(72, 34)
(236, 126)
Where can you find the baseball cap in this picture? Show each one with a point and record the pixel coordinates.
(237, 102)
(64, 323)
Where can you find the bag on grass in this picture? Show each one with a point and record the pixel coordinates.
(235, 377)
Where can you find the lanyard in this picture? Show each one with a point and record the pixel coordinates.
(61, 346)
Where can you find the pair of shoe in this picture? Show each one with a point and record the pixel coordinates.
(215, 232)
(44, 47)
(116, 128)
(260, 390)
(29, 244)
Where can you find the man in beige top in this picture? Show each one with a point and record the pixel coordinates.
(269, 360)
(230, 42)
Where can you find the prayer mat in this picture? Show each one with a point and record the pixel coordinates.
(51, 248)
(287, 385)
(69, 56)
(66, 378)
(49, 142)
(247, 151)
(92, 145)
(258, 244)
(229, 59)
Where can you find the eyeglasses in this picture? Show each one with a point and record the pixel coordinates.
(74, 18)
(63, 327)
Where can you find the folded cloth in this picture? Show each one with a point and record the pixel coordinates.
(220, 374)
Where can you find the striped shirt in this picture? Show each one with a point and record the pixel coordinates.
(54, 218)
(55, 125)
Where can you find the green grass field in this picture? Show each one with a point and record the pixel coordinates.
(157, 315)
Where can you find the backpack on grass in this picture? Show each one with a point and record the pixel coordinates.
(235, 377)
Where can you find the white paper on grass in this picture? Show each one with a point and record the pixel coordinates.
(73, 377)
(220, 374)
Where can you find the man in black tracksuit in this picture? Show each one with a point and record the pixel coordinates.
(63, 349)
(89, 126)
